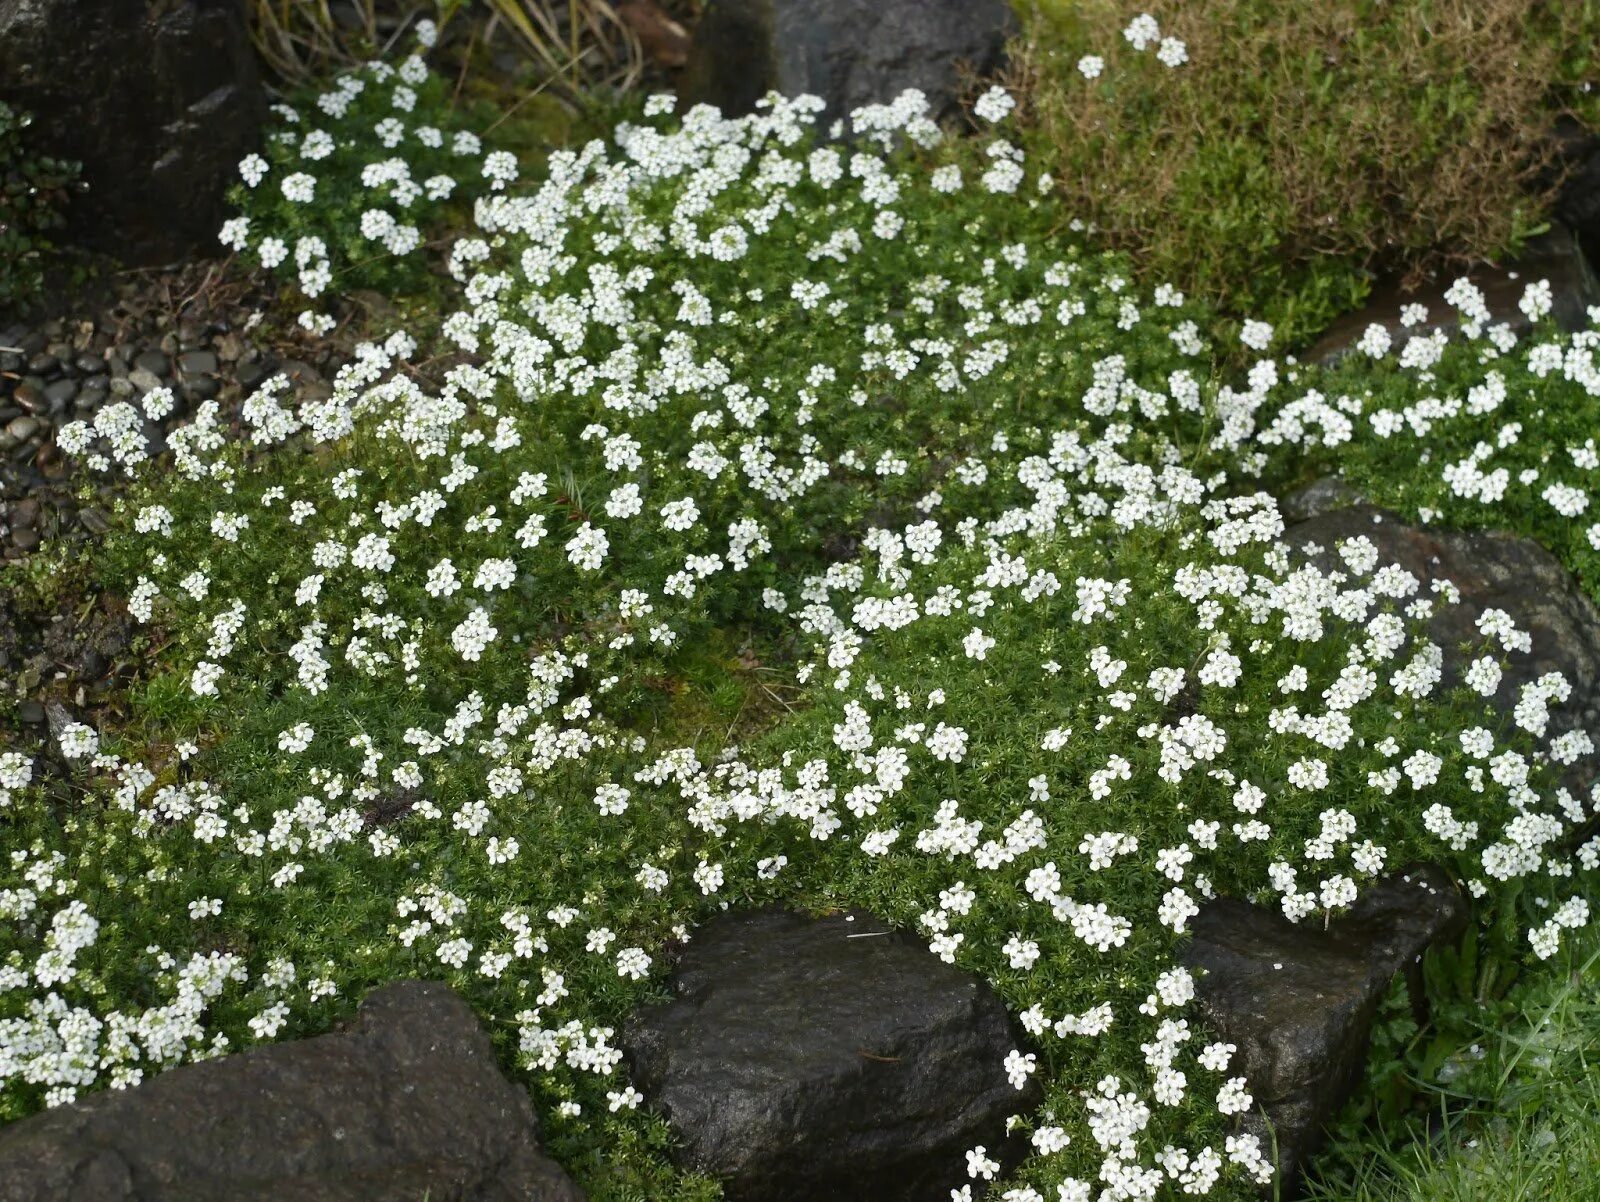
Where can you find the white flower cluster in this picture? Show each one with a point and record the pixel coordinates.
(460, 623)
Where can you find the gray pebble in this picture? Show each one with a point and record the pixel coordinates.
(61, 394)
(22, 428)
(144, 379)
(153, 362)
(202, 388)
(196, 363)
(31, 397)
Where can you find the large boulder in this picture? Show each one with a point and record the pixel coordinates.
(834, 1059)
(407, 1105)
(849, 52)
(159, 101)
(1298, 1002)
(1554, 256)
(1491, 570)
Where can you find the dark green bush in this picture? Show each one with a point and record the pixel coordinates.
(33, 192)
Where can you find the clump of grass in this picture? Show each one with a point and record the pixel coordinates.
(1507, 1112)
(1302, 147)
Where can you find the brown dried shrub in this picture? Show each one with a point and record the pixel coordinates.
(1307, 145)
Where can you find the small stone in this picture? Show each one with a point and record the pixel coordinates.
(90, 364)
(31, 712)
(252, 372)
(43, 363)
(31, 398)
(26, 539)
(196, 363)
(61, 393)
(144, 380)
(23, 428)
(94, 521)
(202, 388)
(153, 361)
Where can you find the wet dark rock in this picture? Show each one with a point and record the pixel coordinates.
(407, 1103)
(60, 394)
(31, 397)
(23, 428)
(145, 381)
(202, 388)
(807, 1059)
(1555, 256)
(155, 362)
(43, 363)
(160, 124)
(251, 372)
(1577, 159)
(1298, 1002)
(1491, 570)
(194, 363)
(31, 712)
(849, 52)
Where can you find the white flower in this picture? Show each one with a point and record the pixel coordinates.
(1257, 335)
(300, 187)
(1090, 66)
(1172, 52)
(1142, 31)
(994, 105)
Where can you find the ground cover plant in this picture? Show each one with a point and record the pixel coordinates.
(432, 697)
(1274, 156)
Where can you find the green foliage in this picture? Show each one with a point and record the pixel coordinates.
(34, 190)
(1494, 1098)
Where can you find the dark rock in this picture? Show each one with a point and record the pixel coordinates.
(31, 397)
(1554, 256)
(60, 393)
(31, 712)
(144, 381)
(154, 362)
(194, 363)
(849, 52)
(1491, 570)
(94, 521)
(1577, 204)
(407, 1104)
(1298, 1002)
(23, 428)
(174, 102)
(251, 372)
(90, 365)
(810, 1059)
(1318, 497)
(43, 363)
